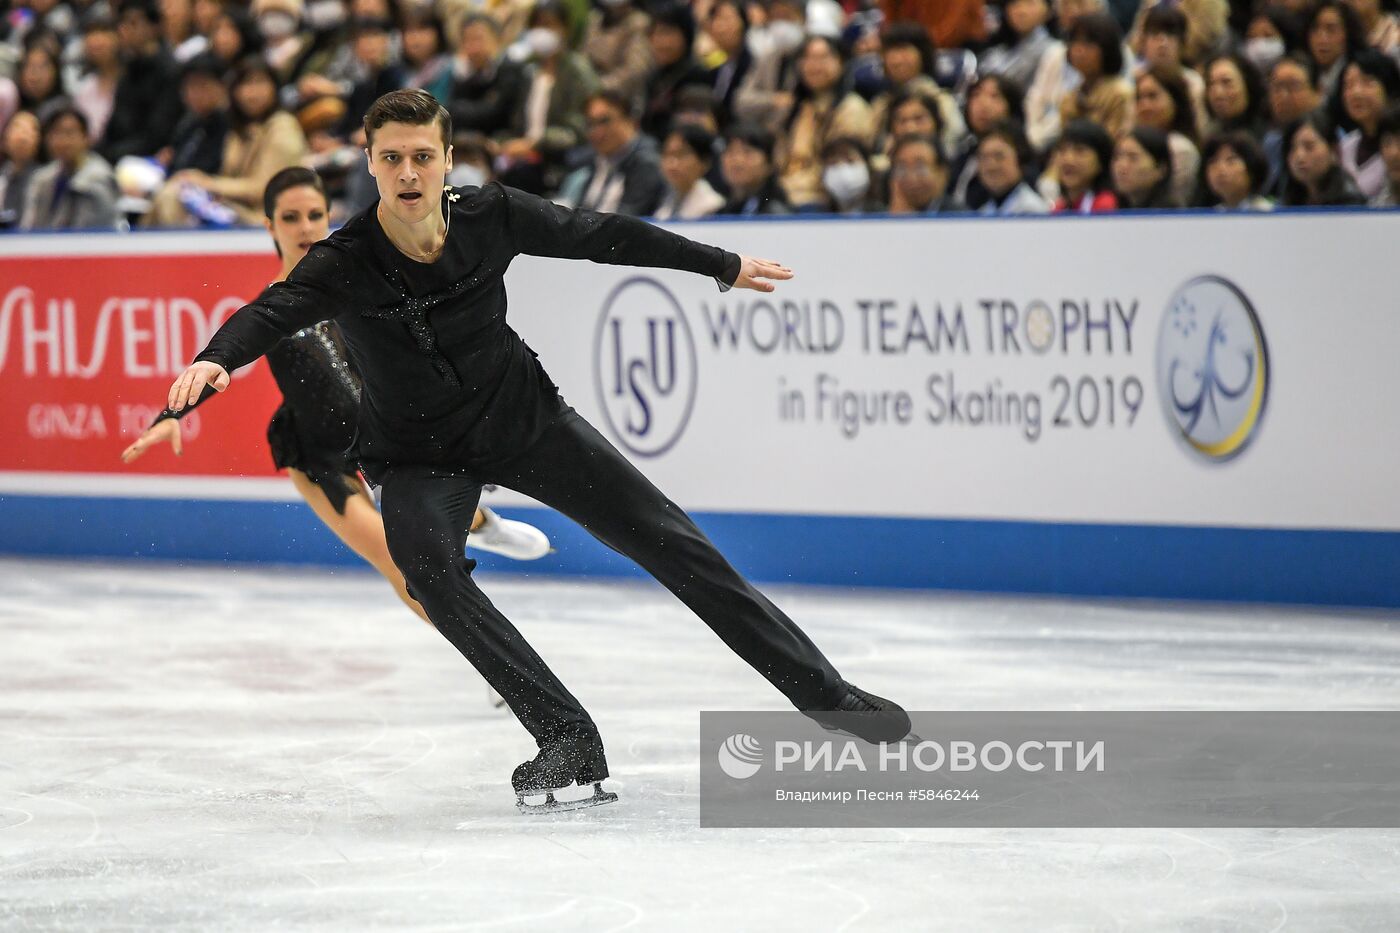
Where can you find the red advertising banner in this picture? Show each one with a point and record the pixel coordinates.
(89, 345)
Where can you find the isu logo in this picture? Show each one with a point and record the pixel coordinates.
(644, 366)
(1212, 367)
(740, 756)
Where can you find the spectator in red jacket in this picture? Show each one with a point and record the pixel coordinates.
(1082, 160)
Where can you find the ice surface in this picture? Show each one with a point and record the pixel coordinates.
(216, 749)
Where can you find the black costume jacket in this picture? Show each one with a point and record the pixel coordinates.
(446, 380)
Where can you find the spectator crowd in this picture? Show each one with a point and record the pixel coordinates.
(175, 113)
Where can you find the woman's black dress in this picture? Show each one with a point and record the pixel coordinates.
(314, 427)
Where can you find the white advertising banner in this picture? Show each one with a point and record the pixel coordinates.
(1197, 370)
(1189, 406)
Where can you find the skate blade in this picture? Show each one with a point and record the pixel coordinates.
(554, 805)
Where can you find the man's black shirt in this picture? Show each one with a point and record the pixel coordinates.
(446, 380)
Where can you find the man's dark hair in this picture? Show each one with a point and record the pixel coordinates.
(412, 106)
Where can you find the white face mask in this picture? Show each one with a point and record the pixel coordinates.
(786, 35)
(1264, 52)
(466, 175)
(324, 15)
(276, 24)
(542, 42)
(848, 182)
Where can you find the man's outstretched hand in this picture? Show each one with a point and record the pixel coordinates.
(186, 389)
(753, 272)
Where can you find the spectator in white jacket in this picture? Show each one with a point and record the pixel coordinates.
(1004, 159)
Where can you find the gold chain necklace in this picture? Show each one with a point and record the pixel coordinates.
(429, 256)
(436, 251)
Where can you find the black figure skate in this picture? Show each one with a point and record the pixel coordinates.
(563, 762)
(863, 715)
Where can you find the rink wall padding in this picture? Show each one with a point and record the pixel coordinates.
(1193, 405)
(1314, 567)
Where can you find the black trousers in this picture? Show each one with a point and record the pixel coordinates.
(573, 469)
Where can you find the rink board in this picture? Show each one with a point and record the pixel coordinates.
(1149, 561)
(1203, 415)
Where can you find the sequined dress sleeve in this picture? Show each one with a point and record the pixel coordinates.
(314, 427)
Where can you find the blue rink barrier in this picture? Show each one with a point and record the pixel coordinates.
(1343, 568)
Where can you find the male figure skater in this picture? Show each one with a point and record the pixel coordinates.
(454, 399)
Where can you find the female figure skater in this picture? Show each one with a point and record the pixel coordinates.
(315, 423)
